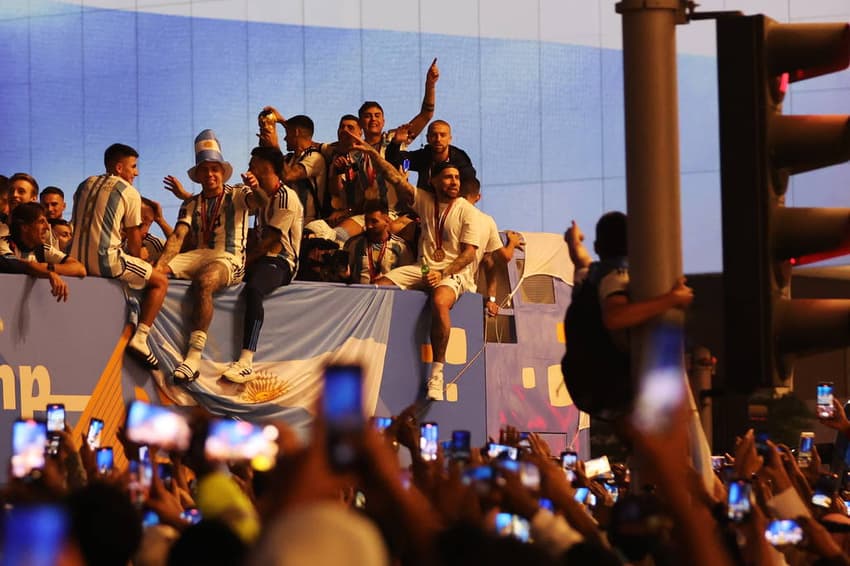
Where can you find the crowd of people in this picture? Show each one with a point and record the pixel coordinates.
(338, 212)
(385, 491)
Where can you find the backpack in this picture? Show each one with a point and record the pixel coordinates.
(596, 372)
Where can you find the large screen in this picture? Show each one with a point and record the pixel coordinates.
(533, 91)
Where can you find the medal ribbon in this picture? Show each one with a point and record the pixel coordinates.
(209, 217)
(440, 221)
(375, 266)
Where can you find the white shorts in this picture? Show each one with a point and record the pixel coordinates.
(136, 271)
(410, 277)
(188, 264)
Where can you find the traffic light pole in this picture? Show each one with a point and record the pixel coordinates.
(652, 161)
(652, 145)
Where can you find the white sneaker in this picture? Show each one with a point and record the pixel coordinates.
(435, 386)
(239, 372)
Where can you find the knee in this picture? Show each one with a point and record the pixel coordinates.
(442, 302)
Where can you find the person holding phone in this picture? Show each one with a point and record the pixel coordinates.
(216, 221)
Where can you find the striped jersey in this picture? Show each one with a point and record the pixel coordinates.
(219, 223)
(285, 215)
(44, 253)
(395, 254)
(103, 206)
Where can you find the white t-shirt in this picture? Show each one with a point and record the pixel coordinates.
(461, 226)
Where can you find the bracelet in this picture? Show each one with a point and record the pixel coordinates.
(51, 267)
(427, 107)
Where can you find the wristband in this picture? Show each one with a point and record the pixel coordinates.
(51, 267)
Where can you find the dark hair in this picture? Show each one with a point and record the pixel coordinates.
(442, 166)
(58, 222)
(116, 152)
(470, 186)
(24, 214)
(375, 205)
(611, 235)
(105, 524)
(300, 121)
(210, 542)
(4, 185)
(349, 117)
(24, 177)
(271, 154)
(439, 122)
(367, 105)
(52, 191)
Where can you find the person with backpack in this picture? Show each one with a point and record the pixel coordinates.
(596, 366)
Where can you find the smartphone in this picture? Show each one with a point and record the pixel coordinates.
(804, 452)
(29, 438)
(825, 409)
(381, 423)
(104, 459)
(762, 448)
(496, 451)
(149, 518)
(55, 417)
(585, 497)
(612, 490)
(55, 423)
(460, 448)
(739, 502)
(597, 467)
(165, 471)
(824, 488)
(717, 463)
(157, 425)
(229, 439)
(822, 500)
(479, 477)
(569, 461)
(94, 433)
(783, 532)
(509, 525)
(428, 441)
(192, 515)
(546, 503)
(343, 410)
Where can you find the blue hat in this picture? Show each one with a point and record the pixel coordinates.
(207, 148)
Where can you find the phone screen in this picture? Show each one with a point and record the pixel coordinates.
(825, 394)
(739, 504)
(597, 467)
(495, 451)
(460, 449)
(782, 532)
(509, 525)
(230, 439)
(804, 453)
(29, 439)
(157, 425)
(94, 433)
(34, 535)
(343, 410)
(382, 423)
(55, 417)
(104, 458)
(428, 441)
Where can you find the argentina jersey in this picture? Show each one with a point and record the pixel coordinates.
(285, 214)
(219, 223)
(103, 206)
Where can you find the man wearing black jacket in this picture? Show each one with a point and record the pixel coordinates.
(438, 150)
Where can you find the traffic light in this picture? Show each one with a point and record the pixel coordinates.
(760, 147)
